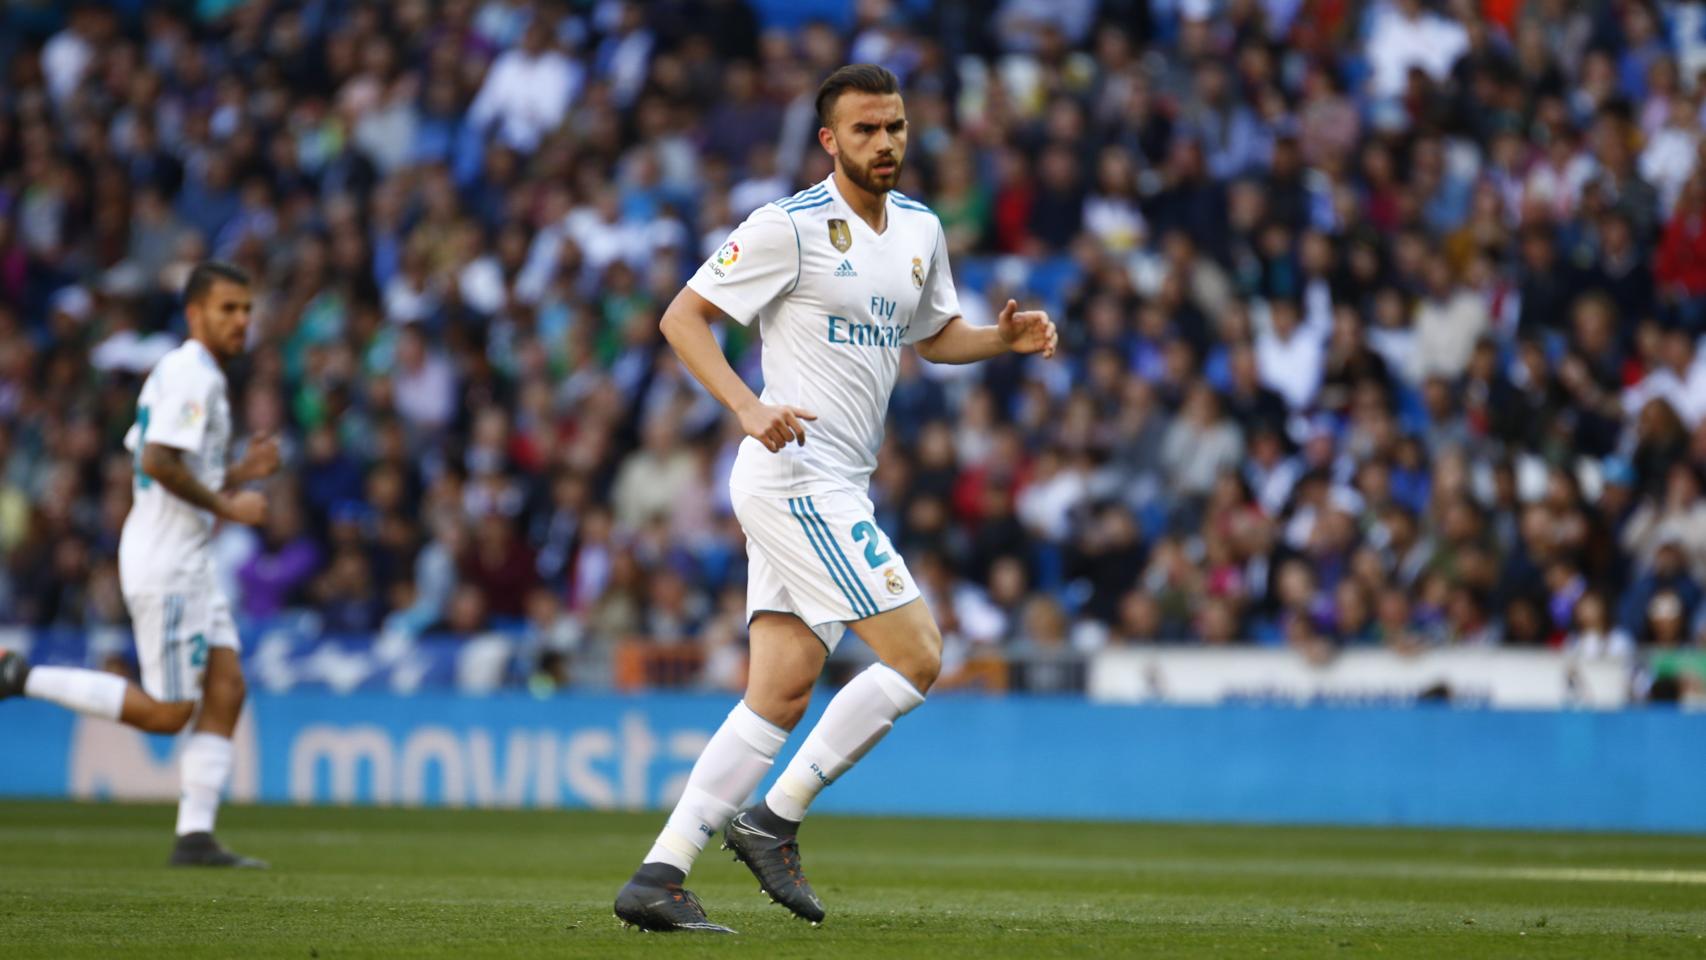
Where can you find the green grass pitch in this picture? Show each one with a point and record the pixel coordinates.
(86, 880)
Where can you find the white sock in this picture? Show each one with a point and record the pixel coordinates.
(854, 721)
(205, 767)
(737, 758)
(94, 692)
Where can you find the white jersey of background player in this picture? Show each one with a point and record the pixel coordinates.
(841, 277)
(186, 641)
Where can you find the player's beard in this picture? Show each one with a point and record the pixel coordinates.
(866, 179)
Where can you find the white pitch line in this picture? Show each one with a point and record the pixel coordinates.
(1397, 869)
(1596, 874)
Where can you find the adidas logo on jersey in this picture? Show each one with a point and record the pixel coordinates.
(846, 270)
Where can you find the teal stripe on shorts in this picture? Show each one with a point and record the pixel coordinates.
(836, 573)
(859, 584)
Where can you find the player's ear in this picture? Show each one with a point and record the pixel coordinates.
(826, 139)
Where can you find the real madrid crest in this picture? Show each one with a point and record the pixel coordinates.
(918, 273)
(892, 580)
(840, 235)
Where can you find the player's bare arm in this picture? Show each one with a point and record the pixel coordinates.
(260, 460)
(687, 327)
(1015, 331)
(166, 466)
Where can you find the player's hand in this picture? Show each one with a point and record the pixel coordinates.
(774, 426)
(261, 459)
(247, 507)
(1027, 331)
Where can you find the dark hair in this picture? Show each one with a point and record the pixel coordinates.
(206, 273)
(863, 77)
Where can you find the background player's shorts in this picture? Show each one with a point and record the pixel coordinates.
(174, 632)
(822, 558)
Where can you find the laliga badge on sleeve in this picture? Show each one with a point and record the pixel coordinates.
(725, 258)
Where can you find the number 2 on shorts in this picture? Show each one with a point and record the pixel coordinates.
(866, 530)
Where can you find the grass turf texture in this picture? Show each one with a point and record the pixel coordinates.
(88, 881)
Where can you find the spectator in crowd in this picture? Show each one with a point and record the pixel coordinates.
(527, 90)
(1382, 321)
(1593, 636)
(499, 565)
(1043, 662)
(287, 559)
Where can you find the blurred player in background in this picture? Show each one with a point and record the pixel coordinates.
(841, 277)
(186, 640)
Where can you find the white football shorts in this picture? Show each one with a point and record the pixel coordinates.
(822, 558)
(174, 631)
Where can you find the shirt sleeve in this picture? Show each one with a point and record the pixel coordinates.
(759, 262)
(178, 416)
(939, 302)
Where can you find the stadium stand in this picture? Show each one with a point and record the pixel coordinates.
(1380, 321)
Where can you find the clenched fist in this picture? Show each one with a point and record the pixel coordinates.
(774, 426)
(1027, 331)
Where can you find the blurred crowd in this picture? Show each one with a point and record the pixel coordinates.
(1380, 321)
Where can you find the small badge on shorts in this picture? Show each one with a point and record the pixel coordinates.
(918, 273)
(892, 580)
(840, 235)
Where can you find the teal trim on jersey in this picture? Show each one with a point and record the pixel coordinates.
(811, 511)
(837, 574)
(143, 480)
(807, 206)
(803, 196)
(799, 255)
(937, 246)
(902, 200)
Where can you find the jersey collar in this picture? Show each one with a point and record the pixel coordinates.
(201, 351)
(853, 217)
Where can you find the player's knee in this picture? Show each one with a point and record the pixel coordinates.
(925, 670)
(792, 710)
(784, 708)
(922, 664)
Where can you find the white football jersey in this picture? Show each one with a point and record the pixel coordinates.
(835, 302)
(165, 543)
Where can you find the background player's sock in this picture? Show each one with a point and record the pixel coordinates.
(851, 725)
(94, 692)
(205, 767)
(738, 756)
